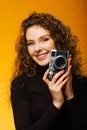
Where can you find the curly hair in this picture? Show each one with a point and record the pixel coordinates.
(61, 34)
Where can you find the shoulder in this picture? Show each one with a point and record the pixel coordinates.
(80, 84)
(19, 87)
(81, 80)
(24, 82)
(20, 81)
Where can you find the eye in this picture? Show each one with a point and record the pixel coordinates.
(45, 39)
(30, 43)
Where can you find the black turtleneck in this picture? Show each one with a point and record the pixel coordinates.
(33, 108)
(41, 70)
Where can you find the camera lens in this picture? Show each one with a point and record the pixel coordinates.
(60, 62)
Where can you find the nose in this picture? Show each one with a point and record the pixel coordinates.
(37, 47)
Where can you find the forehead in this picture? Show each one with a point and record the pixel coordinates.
(36, 31)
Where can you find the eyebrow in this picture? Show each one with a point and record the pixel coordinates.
(45, 35)
(39, 37)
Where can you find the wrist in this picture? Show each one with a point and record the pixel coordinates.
(70, 97)
(57, 105)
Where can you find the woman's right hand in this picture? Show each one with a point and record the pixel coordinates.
(55, 86)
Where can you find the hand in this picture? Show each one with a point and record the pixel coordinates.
(55, 86)
(68, 90)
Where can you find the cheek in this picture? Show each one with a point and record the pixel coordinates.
(52, 45)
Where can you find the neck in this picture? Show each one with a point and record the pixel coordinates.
(41, 69)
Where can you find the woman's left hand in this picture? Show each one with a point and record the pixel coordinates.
(67, 89)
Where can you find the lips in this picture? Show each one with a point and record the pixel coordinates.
(42, 56)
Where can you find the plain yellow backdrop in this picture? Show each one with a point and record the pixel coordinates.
(71, 12)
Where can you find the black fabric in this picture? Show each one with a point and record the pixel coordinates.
(33, 108)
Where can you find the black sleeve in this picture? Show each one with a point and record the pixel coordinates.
(75, 116)
(22, 112)
(77, 107)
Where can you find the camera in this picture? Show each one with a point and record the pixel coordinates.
(58, 61)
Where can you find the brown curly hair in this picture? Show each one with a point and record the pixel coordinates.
(61, 34)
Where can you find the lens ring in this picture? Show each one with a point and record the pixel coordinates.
(60, 62)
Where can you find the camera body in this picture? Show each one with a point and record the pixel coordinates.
(58, 61)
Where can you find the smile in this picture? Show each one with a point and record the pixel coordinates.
(42, 56)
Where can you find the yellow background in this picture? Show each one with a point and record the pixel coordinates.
(12, 12)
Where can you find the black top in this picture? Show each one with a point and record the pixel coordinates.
(33, 108)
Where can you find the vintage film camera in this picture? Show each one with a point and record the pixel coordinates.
(58, 61)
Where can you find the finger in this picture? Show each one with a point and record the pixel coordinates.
(57, 76)
(69, 60)
(62, 78)
(62, 84)
(69, 69)
(45, 77)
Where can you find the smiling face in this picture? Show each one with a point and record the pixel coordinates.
(39, 44)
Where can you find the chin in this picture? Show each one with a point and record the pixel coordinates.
(43, 64)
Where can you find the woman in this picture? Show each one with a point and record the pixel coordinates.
(39, 103)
